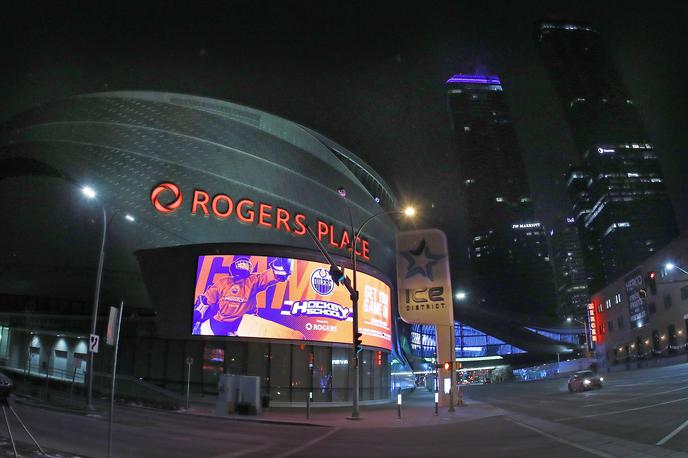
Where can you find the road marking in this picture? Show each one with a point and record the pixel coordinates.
(563, 441)
(632, 399)
(672, 434)
(308, 444)
(623, 411)
(633, 384)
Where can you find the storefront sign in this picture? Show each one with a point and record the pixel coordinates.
(636, 304)
(167, 198)
(592, 322)
(284, 298)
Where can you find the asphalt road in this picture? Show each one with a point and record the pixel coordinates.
(145, 433)
(644, 406)
(648, 406)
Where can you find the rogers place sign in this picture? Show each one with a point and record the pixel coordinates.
(167, 198)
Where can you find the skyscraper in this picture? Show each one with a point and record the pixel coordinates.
(570, 274)
(617, 190)
(508, 254)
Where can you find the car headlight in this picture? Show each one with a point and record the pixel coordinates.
(586, 382)
(601, 379)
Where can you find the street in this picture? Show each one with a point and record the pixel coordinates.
(645, 405)
(511, 419)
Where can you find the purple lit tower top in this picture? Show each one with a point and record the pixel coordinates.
(475, 79)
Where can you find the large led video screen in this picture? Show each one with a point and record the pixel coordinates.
(284, 298)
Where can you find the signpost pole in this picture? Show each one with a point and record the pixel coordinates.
(189, 362)
(114, 378)
(452, 372)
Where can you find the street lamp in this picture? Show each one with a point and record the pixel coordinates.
(91, 193)
(671, 266)
(409, 212)
(585, 328)
(460, 295)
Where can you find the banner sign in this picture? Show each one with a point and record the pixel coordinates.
(285, 298)
(425, 294)
(592, 322)
(636, 304)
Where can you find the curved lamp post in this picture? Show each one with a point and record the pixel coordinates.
(409, 212)
(585, 328)
(90, 193)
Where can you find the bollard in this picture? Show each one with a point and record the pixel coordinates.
(47, 387)
(308, 404)
(399, 405)
(437, 403)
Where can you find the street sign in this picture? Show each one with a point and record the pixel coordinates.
(93, 342)
(189, 360)
(112, 326)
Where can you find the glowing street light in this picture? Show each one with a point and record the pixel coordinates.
(460, 295)
(410, 212)
(129, 218)
(671, 266)
(89, 192)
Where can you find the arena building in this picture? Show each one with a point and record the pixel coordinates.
(203, 206)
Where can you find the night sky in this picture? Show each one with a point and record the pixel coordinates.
(369, 77)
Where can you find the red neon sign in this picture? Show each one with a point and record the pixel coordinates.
(592, 321)
(262, 214)
(169, 207)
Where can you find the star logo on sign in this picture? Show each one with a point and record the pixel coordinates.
(421, 261)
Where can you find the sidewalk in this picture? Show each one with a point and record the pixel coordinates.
(418, 409)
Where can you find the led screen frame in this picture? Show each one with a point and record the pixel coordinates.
(285, 298)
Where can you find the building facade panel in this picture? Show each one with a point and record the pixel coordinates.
(198, 176)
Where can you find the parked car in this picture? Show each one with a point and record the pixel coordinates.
(585, 380)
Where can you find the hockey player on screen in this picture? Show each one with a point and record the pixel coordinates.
(220, 309)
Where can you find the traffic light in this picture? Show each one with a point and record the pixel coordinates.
(651, 281)
(359, 342)
(447, 366)
(337, 275)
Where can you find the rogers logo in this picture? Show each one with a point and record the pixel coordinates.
(168, 207)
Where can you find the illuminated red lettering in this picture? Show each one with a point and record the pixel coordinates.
(344, 243)
(249, 215)
(365, 251)
(282, 219)
(357, 244)
(200, 199)
(300, 224)
(332, 242)
(264, 215)
(216, 209)
(323, 229)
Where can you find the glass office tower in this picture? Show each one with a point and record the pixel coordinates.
(508, 253)
(619, 199)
